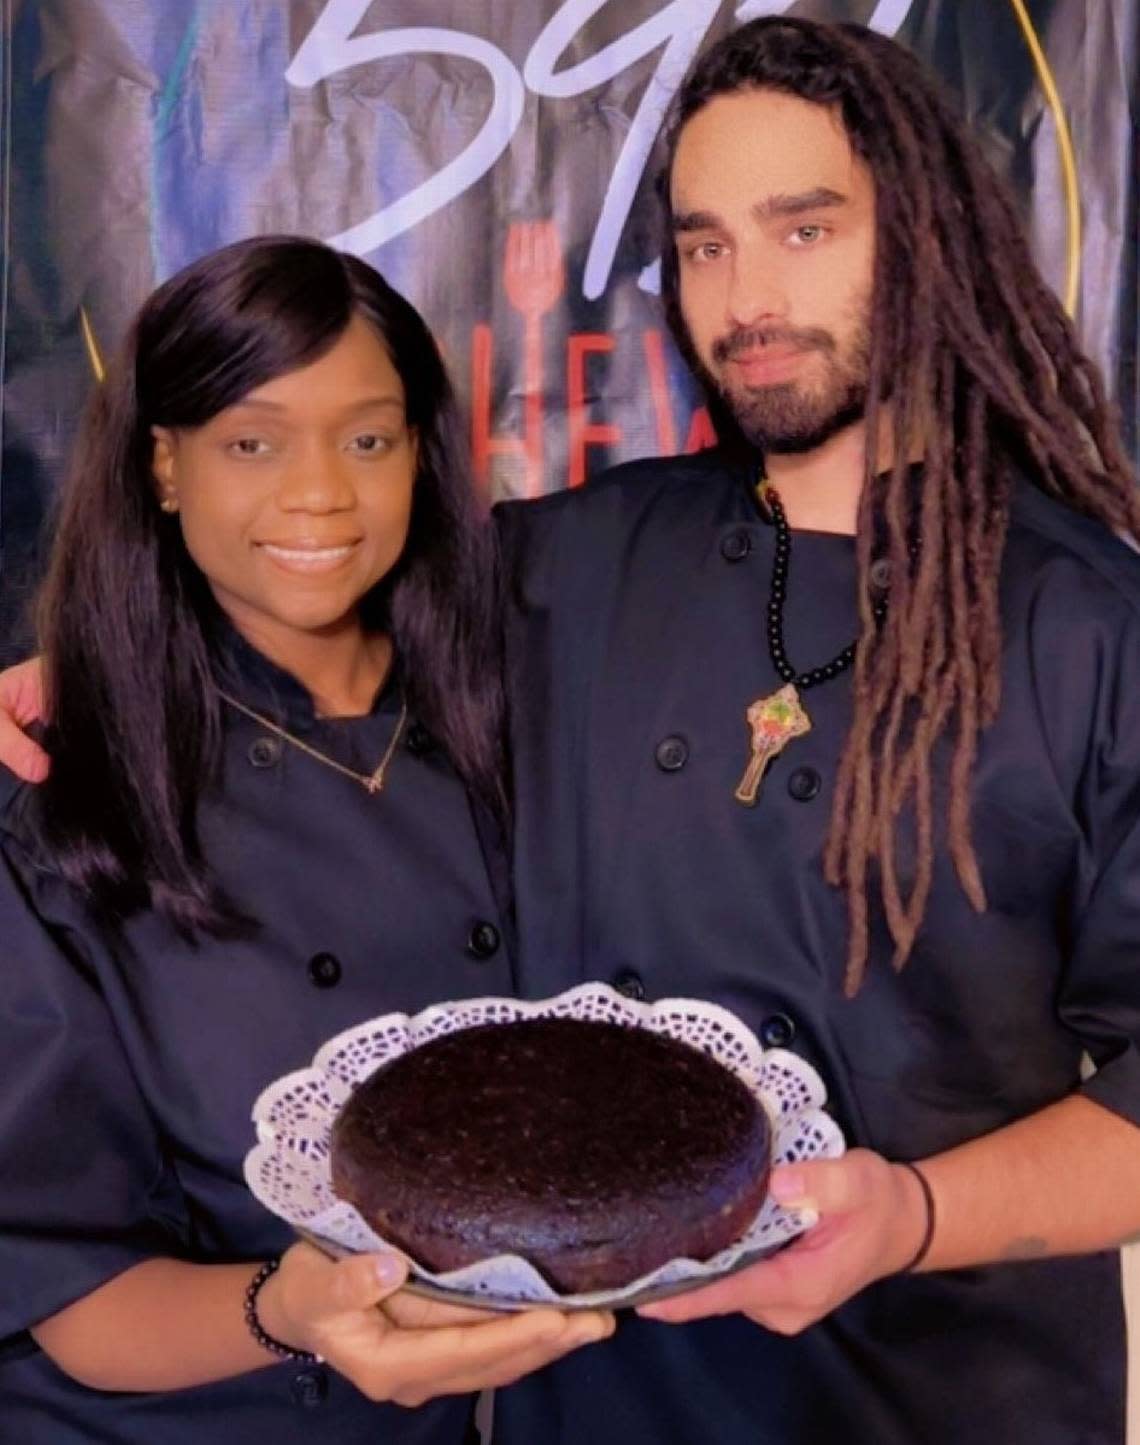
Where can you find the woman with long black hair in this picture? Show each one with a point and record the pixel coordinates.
(274, 809)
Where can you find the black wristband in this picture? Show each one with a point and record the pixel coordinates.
(928, 1232)
(265, 1340)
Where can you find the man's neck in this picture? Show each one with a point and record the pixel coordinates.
(820, 489)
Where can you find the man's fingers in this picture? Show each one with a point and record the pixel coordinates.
(724, 1297)
(829, 1186)
(22, 754)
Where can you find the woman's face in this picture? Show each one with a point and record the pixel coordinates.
(295, 501)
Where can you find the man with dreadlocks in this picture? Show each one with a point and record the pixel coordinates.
(858, 755)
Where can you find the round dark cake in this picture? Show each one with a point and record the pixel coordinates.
(595, 1151)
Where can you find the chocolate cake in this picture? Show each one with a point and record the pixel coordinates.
(596, 1151)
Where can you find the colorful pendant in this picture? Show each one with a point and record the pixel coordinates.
(774, 721)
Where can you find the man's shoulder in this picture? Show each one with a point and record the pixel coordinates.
(622, 496)
(1083, 566)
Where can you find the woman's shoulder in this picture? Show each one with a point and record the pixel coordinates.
(29, 870)
(18, 810)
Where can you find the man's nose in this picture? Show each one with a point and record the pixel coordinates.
(756, 291)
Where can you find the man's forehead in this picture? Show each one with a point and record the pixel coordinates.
(756, 146)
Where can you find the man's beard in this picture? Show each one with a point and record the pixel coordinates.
(786, 416)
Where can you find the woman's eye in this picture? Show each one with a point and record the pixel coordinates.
(249, 447)
(371, 443)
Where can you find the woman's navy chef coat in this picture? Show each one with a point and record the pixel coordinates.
(130, 1067)
(636, 642)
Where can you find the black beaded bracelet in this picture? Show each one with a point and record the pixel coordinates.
(928, 1232)
(265, 1340)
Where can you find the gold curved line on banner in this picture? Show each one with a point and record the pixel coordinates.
(94, 356)
(1065, 150)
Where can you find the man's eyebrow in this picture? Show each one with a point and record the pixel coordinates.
(778, 205)
(820, 198)
(694, 221)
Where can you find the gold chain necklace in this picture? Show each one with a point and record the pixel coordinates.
(371, 782)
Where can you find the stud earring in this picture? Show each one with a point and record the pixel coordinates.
(169, 503)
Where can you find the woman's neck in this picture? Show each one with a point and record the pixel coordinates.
(342, 670)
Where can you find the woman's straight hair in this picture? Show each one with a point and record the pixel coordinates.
(128, 624)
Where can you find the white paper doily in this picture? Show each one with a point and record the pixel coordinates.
(288, 1169)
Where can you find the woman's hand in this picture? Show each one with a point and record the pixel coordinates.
(395, 1346)
(872, 1221)
(21, 703)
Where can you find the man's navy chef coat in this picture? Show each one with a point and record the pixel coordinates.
(636, 643)
(130, 1066)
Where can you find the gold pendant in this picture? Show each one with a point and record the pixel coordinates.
(775, 721)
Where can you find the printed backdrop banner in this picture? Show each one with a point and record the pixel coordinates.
(495, 159)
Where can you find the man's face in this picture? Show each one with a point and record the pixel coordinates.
(774, 224)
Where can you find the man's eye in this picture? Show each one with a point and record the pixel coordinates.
(706, 251)
(809, 235)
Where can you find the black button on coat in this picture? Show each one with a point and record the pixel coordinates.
(131, 1065)
(627, 626)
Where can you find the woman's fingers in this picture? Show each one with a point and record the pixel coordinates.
(394, 1346)
(526, 1361)
(419, 1364)
(413, 1312)
(313, 1301)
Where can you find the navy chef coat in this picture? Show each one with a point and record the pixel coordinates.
(636, 641)
(130, 1066)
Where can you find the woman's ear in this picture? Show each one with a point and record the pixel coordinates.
(163, 468)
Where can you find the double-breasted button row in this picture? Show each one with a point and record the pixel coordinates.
(736, 545)
(264, 752)
(776, 1031)
(419, 741)
(483, 940)
(880, 574)
(326, 971)
(309, 1388)
(804, 784)
(672, 753)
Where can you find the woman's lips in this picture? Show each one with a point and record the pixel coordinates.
(308, 557)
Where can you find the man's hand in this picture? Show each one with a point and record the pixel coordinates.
(396, 1347)
(872, 1220)
(21, 703)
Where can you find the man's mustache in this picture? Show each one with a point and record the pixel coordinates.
(753, 337)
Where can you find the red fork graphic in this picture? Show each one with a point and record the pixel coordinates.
(534, 279)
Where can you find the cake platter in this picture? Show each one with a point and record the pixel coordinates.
(288, 1168)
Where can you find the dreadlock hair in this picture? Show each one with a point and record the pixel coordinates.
(970, 350)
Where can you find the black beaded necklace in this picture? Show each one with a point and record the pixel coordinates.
(778, 718)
